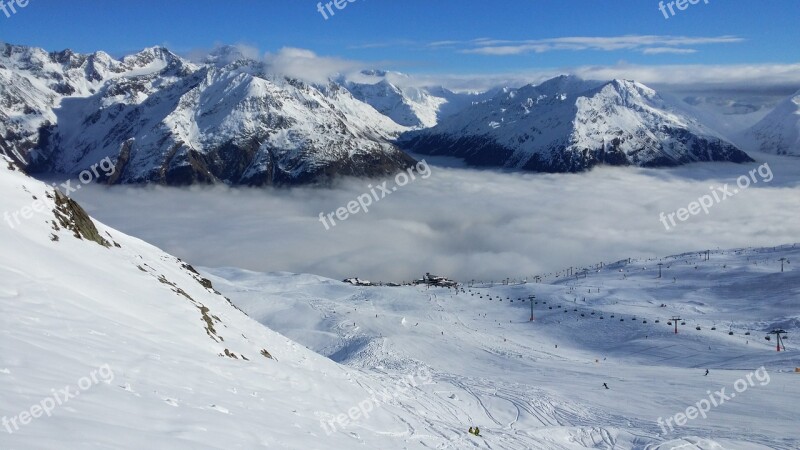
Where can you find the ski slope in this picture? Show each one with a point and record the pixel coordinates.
(539, 384)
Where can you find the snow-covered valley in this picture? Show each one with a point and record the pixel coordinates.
(539, 384)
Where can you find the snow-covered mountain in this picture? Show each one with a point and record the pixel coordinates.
(415, 107)
(410, 107)
(163, 119)
(779, 131)
(568, 124)
(228, 118)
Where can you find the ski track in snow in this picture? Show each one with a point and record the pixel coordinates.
(518, 387)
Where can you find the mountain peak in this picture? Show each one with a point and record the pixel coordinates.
(779, 131)
(227, 54)
(567, 124)
(151, 55)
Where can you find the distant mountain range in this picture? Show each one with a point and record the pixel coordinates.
(229, 119)
(568, 125)
(165, 120)
(779, 131)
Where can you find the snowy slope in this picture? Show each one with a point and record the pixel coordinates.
(408, 107)
(180, 366)
(567, 124)
(779, 131)
(393, 95)
(727, 116)
(165, 120)
(538, 385)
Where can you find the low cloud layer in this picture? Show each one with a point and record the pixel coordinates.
(464, 223)
(308, 66)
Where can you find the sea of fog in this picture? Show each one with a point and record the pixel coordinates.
(463, 223)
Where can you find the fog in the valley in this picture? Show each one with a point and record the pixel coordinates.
(460, 222)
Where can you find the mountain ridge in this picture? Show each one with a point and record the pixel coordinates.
(567, 124)
(229, 119)
(779, 131)
(169, 121)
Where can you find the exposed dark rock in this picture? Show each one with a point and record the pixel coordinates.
(72, 217)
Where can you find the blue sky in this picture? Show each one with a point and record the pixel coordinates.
(517, 35)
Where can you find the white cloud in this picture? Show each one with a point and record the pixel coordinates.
(308, 66)
(705, 76)
(227, 52)
(293, 62)
(459, 222)
(638, 43)
(668, 50)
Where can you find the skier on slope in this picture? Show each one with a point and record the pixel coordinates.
(605, 385)
(706, 373)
